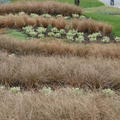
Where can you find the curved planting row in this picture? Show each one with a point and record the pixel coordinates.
(71, 36)
(40, 8)
(63, 104)
(35, 47)
(33, 71)
(84, 25)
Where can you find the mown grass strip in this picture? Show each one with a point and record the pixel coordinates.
(83, 3)
(110, 19)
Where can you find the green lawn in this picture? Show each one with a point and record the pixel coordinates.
(103, 10)
(17, 34)
(106, 14)
(113, 20)
(90, 3)
(84, 3)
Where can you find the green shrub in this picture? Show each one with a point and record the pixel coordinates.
(33, 33)
(28, 29)
(79, 39)
(58, 35)
(41, 30)
(82, 17)
(51, 34)
(62, 31)
(106, 39)
(41, 36)
(21, 13)
(47, 90)
(60, 15)
(2, 87)
(71, 35)
(80, 33)
(108, 92)
(34, 15)
(67, 17)
(55, 30)
(46, 15)
(75, 16)
(15, 89)
(93, 37)
(117, 39)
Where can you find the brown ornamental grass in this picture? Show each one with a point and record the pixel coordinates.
(63, 104)
(38, 47)
(55, 71)
(86, 25)
(50, 7)
(91, 26)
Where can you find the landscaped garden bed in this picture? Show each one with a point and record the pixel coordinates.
(54, 21)
(61, 67)
(73, 28)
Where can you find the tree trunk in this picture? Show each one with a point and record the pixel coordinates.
(77, 2)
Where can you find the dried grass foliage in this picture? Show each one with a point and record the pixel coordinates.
(57, 64)
(91, 26)
(61, 104)
(37, 47)
(33, 71)
(19, 21)
(50, 7)
(86, 25)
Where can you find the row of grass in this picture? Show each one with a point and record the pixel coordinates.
(63, 104)
(34, 72)
(59, 48)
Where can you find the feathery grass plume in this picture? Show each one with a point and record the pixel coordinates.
(50, 7)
